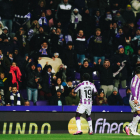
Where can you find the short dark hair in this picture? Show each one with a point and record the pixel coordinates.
(86, 76)
(137, 70)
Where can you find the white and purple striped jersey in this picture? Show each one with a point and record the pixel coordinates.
(86, 90)
(135, 88)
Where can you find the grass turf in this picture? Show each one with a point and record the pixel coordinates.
(68, 137)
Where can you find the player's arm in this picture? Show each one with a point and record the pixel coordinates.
(133, 87)
(78, 87)
(95, 93)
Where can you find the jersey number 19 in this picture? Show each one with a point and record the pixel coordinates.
(88, 93)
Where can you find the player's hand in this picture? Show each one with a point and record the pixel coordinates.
(135, 101)
(79, 64)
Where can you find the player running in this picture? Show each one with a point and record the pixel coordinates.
(86, 91)
(134, 102)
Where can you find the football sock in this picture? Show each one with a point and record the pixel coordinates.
(78, 123)
(135, 121)
(90, 124)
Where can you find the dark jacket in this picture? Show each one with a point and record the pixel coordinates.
(120, 58)
(129, 16)
(80, 45)
(88, 70)
(15, 99)
(96, 46)
(31, 74)
(7, 9)
(106, 75)
(126, 99)
(70, 58)
(101, 101)
(64, 12)
(70, 100)
(115, 99)
(67, 90)
(55, 99)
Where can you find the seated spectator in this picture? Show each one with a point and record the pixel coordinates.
(57, 86)
(31, 84)
(14, 98)
(85, 69)
(2, 102)
(123, 63)
(72, 99)
(58, 99)
(47, 82)
(120, 20)
(68, 88)
(126, 98)
(128, 14)
(70, 60)
(16, 74)
(96, 47)
(80, 46)
(1, 26)
(115, 98)
(5, 33)
(27, 103)
(100, 98)
(106, 76)
(43, 22)
(10, 57)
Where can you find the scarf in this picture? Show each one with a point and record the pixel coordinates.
(12, 98)
(50, 80)
(43, 51)
(60, 42)
(97, 19)
(118, 35)
(40, 21)
(68, 38)
(1, 56)
(18, 75)
(108, 17)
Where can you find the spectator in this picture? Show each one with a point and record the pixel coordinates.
(14, 98)
(72, 99)
(50, 18)
(106, 76)
(96, 47)
(7, 13)
(70, 60)
(27, 103)
(63, 14)
(10, 57)
(5, 33)
(2, 102)
(1, 26)
(85, 69)
(115, 98)
(80, 46)
(100, 98)
(38, 77)
(128, 14)
(68, 88)
(123, 63)
(113, 29)
(80, 4)
(126, 98)
(136, 59)
(16, 78)
(97, 18)
(119, 19)
(58, 86)
(47, 82)
(32, 90)
(58, 99)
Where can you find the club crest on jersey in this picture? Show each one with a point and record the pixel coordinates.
(86, 83)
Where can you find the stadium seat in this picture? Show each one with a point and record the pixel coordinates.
(77, 76)
(31, 103)
(42, 103)
(23, 92)
(122, 92)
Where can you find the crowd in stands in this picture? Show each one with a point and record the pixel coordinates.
(44, 44)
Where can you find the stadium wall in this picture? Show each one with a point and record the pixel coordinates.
(53, 122)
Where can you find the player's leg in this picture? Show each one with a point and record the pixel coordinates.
(89, 120)
(78, 121)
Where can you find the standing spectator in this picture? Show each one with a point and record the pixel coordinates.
(126, 98)
(72, 99)
(96, 47)
(106, 76)
(58, 99)
(14, 98)
(7, 13)
(97, 18)
(115, 98)
(120, 20)
(63, 14)
(5, 33)
(80, 4)
(123, 63)
(100, 98)
(128, 14)
(80, 46)
(85, 69)
(70, 60)
(32, 90)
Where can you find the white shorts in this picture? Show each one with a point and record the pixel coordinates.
(84, 108)
(134, 107)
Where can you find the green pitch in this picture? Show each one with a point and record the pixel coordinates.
(69, 137)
